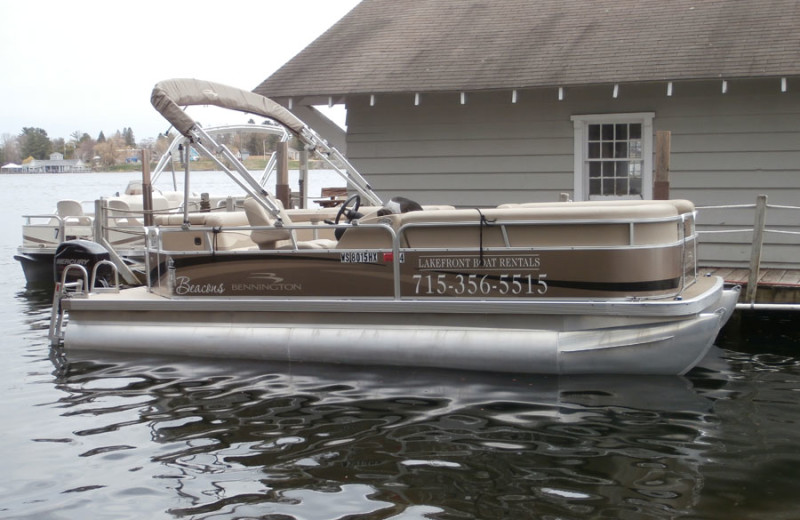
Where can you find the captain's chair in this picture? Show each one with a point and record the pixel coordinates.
(258, 216)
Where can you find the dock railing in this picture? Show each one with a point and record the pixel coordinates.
(759, 230)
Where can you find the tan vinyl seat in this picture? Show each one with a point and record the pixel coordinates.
(71, 212)
(120, 213)
(272, 234)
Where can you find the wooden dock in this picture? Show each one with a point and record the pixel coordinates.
(778, 289)
(770, 324)
(774, 285)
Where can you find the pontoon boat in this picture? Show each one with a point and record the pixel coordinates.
(121, 228)
(559, 288)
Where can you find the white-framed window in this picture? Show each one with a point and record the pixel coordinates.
(613, 156)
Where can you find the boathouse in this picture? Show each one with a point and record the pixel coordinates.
(475, 103)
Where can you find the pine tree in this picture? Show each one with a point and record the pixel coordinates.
(34, 143)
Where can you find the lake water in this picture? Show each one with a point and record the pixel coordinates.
(121, 437)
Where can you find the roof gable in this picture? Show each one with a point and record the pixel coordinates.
(454, 45)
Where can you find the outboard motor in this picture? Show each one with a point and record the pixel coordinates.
(85, 253)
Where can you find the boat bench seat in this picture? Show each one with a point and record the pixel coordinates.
(217, 218)
(587, 225)
(190, 240)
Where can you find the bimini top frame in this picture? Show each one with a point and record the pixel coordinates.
(266, 129)
(168, 96)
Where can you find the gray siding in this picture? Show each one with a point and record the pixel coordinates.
(726, 149)
(481, 153)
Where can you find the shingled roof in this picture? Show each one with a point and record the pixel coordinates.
(386, 46)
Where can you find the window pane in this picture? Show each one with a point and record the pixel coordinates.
(594, 187)
(622, 168)
(621, 187)
(635, 149)
(608, 150)
(608, 169)
(594, 150)
(622, 132)
(636, 131)
(636, 186)
(594, 132)
(594, 169)
(608, 132)
(621, 150)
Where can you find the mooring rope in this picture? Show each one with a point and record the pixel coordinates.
(483, 222)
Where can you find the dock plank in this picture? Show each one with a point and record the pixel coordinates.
(791, 277)
(738, 276)
(771, 276)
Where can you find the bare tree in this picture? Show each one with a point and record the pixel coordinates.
(85, 148)
(109, 150)
(9, 144)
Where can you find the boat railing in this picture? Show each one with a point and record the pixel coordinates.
(50, 217)
(76, 283)
(60, 224)
(206, 240)
(128, 224)
(76, 288)
(400, 233)
(105, 286)
(505, 224)
(210, 243)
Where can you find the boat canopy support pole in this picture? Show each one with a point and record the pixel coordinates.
(244, 179)
(147, 189)
(186, 189)
(331, 155)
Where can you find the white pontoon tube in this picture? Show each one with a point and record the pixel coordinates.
(168, 96)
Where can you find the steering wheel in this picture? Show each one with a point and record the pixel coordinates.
(355, 200)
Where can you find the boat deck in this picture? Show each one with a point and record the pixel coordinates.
(694, 299)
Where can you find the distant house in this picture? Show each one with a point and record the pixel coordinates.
(56, 164)
(470, 102)
(11, 168)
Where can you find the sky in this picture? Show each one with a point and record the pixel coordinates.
(90, 65)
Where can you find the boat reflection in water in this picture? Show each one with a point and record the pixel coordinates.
(328, 441)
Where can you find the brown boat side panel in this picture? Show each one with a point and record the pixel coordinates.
(558, 274)
(370, 273)
(277, 275)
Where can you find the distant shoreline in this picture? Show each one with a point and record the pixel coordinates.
(257, 163)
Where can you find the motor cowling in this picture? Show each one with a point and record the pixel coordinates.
(85, 253)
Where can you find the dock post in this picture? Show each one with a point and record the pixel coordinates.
(147, 188)
(303, 177)
(282, 191)
(661, 181)
(755, 252)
